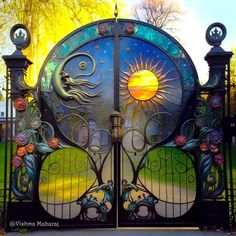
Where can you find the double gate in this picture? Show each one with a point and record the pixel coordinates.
(119, 133)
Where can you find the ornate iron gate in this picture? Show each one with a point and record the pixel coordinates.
(121, 134)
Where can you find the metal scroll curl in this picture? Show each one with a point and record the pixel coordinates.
(208, 118)
(162, 168)
(23, 179)
(93, 193)
(75, 128)
(24, 175)
(160, 127)
(33, 138)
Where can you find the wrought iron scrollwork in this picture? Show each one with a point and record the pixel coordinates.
(156, 190)
(94, 210)
(187, 139)
(33, 137)
(18, 80)
(75, 128)
(23, 179)
(142, 206)
(150, 163)
(83, 169)
(207, 115)
(160, 127)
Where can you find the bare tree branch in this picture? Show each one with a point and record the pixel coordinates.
(161, 13)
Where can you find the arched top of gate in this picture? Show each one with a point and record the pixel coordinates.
(127, 28)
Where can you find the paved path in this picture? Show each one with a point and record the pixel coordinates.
(124, 232)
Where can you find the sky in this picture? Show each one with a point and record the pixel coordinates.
(206, 12)
(198, 15)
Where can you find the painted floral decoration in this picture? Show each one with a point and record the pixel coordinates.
(130, 28)
(219, 159)
(215, 137)
(21, 139)
(53, 142)
(30, 148)
(17, 161)
(180, 140)
(216, 101)
(102, 29)
(21, 151)
(203, 147)
(214, 148)
(20, 104)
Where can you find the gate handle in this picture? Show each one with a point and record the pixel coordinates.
(117, 122)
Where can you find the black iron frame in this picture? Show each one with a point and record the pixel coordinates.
(10, 93)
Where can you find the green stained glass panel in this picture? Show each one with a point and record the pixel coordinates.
(46, 80)
(76, 40)
(171, 48)
(158, 39)
(174, 50)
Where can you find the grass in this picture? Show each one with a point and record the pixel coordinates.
(233, 157)
(65, 176)
(2, 164)
(69, 184)
(4, 171)
(164, 166)
(2, 160)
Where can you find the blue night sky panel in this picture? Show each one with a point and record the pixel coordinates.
(132, 48)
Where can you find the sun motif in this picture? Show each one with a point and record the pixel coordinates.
(146, 85)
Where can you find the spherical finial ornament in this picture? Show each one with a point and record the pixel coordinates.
(215, 34)
(20, 36)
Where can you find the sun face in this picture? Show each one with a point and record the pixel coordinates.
(146, 85)
(143, 85)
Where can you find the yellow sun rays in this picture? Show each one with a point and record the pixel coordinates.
(145, 85)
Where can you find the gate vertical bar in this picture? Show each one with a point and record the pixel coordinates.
(116, 64)
(228, 130)
(116, 108)
(6, 147)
